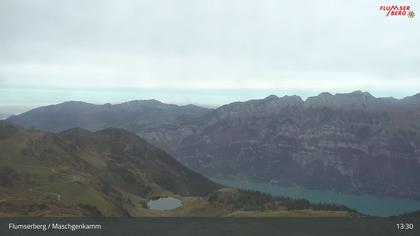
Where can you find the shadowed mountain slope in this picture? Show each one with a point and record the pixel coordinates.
(110, 172)
(115, 173)
(349, 142)
(133, 115)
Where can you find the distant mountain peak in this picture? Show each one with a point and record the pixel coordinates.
(285, 101)
(271, 97)
(354, 100)
(130, 115)
(73, 104)
(149, 102)
(412, 100)
(416, 96)
(325, 94)
(357, 93)
(293, 98)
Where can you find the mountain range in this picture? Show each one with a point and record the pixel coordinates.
(109, 172)
(133, 115)
(350, 142)
(113, 172)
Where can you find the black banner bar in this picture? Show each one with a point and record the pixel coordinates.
(210, 226)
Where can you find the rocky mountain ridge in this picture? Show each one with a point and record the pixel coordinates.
(133, 115)
(113, 172)
(353, 143)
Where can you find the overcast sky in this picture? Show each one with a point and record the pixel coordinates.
(205, 52)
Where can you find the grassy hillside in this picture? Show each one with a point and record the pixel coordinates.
(112, 173)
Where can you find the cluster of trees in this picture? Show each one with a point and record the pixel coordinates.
(254, 200)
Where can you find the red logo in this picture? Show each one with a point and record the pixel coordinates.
(411, 14)
(396, 10)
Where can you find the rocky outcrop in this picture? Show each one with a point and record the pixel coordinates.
(352, 143)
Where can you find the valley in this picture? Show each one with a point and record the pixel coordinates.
(114, 173)
(352, 143)
(365, 204)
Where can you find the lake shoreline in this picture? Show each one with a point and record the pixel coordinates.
(365, 204)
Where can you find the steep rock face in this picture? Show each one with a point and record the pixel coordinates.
(348, 142)
(412, 101)
(352, 143)
(113, 173)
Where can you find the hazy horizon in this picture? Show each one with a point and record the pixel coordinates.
(18, 109)
(207, 53)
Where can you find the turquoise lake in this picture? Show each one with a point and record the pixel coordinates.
(366, 204)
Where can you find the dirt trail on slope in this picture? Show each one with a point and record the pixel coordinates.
(55, 194)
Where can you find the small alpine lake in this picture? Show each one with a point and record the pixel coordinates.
(366, 204)
(164, 203)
